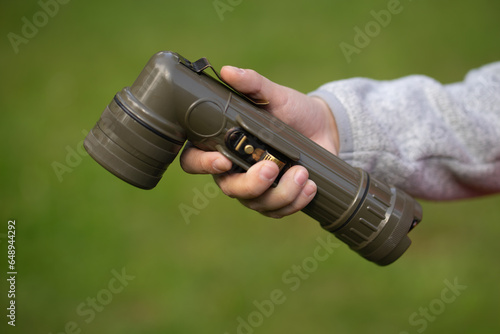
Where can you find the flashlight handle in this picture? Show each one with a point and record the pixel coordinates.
(368, 215)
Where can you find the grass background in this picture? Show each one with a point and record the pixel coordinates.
(200, 277)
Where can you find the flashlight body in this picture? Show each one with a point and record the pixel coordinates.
(145, 125)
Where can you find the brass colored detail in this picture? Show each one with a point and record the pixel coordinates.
(241, 142)
(272, 158)
(249, 149)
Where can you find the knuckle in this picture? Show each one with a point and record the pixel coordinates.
(250, 191)
(252, 205)
(206, 165)
(274, 215)
(286, 197)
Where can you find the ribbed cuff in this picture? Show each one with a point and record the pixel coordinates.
(346, 145)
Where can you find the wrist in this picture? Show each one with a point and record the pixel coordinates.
(328, 136)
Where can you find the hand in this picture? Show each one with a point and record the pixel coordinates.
(308, 115)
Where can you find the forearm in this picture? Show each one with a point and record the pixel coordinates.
(435, 141)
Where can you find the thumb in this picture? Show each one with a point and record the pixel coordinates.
(254, 85)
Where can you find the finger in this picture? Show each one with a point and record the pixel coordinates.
(251, 184)
(254, 85)
(287, 104)
(291, 195)
(196, 161)
(305, 197)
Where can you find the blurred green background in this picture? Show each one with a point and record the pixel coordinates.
(80, 228)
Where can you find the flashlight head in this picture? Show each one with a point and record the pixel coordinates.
(138, 135)
(128, 146)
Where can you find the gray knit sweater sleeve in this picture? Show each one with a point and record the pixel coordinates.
(434, 141)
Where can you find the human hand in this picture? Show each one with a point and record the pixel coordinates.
(308, 115)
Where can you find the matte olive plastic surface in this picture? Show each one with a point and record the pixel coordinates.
(145, 125)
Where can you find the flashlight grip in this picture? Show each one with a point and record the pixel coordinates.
(370, 216)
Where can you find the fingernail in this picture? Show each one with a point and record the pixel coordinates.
(309, 189)
(237, 69)
(300, 177)
(268, 172)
